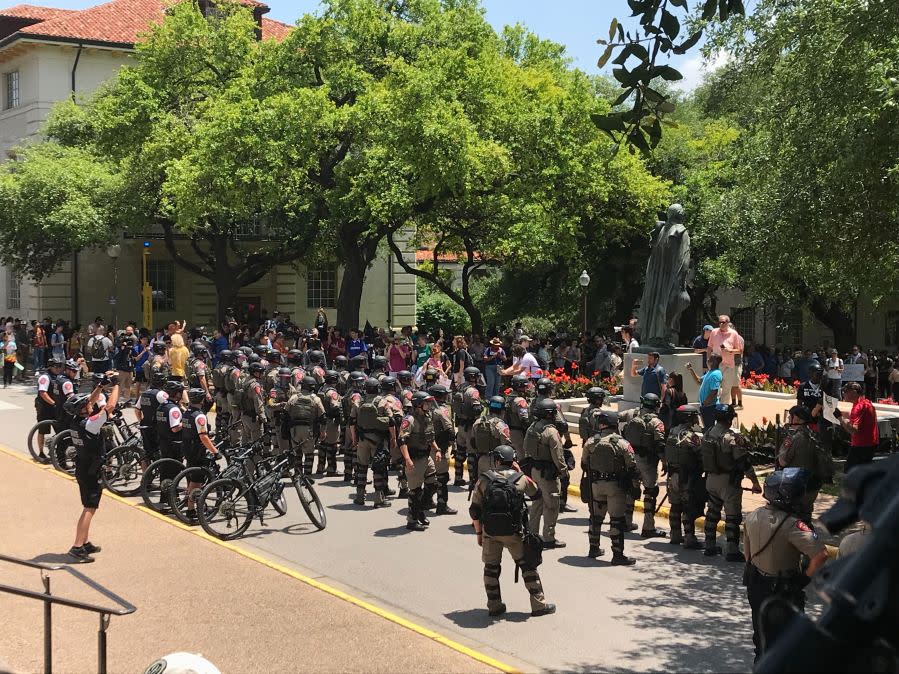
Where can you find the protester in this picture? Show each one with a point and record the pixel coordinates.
(726, 342)
(861, 426)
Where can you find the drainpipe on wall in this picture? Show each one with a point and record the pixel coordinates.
(390, 291)
(75, 68)
(75, 256)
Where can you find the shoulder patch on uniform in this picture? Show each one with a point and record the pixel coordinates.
(176, 414)
(475, 393)
(407, 421)
(257, 388)
(522, 403)
(802, 526)
(333, 394)
(273, 394)
(201, 420)
(629, 446)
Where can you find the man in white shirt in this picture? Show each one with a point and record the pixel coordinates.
(627, 338)
(524, 363)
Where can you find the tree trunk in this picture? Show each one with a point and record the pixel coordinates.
(837, 319)
(474, 315)
(357, 256)
(227, 291)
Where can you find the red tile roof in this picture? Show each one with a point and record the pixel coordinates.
(34, 12)
(119, 22)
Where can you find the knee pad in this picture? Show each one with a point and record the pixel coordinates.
(734, 520)
(492, 570)
(713, 517)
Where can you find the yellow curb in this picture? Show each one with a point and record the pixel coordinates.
(333, 591)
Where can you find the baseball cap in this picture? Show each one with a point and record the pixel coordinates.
(707, 327)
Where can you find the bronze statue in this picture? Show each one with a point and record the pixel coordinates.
(665, 291)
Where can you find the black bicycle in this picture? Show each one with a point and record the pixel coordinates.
(226, 507)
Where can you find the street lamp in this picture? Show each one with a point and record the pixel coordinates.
(584, 281)
(114, 251)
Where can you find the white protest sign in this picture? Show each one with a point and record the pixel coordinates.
(829, 405)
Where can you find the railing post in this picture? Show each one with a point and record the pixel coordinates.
(48, 627)
(101, 643)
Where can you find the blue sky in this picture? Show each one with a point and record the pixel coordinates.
(575, 23)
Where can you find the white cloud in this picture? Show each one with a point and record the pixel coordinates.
(695, 68)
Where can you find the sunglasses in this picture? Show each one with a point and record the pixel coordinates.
(723, 322)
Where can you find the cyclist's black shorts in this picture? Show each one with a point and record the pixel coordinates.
(87, 473)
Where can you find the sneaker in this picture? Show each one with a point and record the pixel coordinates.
(568, 509)
(191, 517)
(549, 609)
(621, 560)
(423, 520)
(498, 611)
(359, 500)
(92, 549)
(444, 509)
(550, 545)
(43, 458)
(80, 555)
(415, 525)
(595, 551)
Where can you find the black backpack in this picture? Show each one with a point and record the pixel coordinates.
(503, 512)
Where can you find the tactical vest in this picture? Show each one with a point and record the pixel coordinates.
(605, 456)
(681, 450)
(162, 421)
(517, 417)
(148, 407)
(534, 445)
(421, 435)
(640, 432)
(301, 409)
(588, 424)
(247, 404)
(716, 457)
(443, 427)
(349, 402)
(808, 453)
(193, 374)
(487, 434)
(369, 418)
(332, 406)
(470, 407)
(218, 378)
(86, 443)
(189, 435)
(343, 377)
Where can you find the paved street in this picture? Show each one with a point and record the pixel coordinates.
(674, 611)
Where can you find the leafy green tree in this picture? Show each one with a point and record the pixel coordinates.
(812, 217)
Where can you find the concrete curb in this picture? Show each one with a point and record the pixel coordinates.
(333, 591)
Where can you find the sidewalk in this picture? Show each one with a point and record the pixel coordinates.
(191, 595)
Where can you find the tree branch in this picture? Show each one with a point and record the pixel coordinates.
(168, 238)
(415, 271)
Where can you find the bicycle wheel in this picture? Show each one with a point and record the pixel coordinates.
(41, 427)
(178, 493)
(311, 503)
(62, 452)
(154, 488)
(226, 508)
(122, 471)
(279, 500)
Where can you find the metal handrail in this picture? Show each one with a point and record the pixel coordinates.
(125, 607)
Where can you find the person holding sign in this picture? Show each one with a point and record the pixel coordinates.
(861, 426)
(834, 368)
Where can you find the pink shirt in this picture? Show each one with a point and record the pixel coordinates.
(730, 340)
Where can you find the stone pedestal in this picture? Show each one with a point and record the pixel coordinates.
(672, 362)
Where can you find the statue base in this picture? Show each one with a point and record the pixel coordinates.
(674, 362)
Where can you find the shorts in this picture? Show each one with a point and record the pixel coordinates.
(195, 457)
(46, 413)
(87, 473)
(139, 376)
(730, 377)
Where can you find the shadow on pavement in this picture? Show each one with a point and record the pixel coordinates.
(296, 529)
(575, 521)
(462, 529)
(53, 558)
(478, 618)
(704, 614)
(584, 562)
(349, 506)
(393, 532)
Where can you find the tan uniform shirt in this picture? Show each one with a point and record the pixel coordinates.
(792, 539)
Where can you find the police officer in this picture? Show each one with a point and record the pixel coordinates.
(252, 405)
(608, 461)
(544, 391)
(145, 409)
(506, 531)
(296, 364)
(234, 385)
(518, 413)
(378, 367)
(416, 442)
(222, 408)
(407, 388)
(343, 374)
(317, 366)
(156, 362)
(391, 406)
(374, 431)
(195, 443)
(276, 409)
(443, 437)
(197, 372)
(489, 431)
(359, 363)
(468, 407)
(775, 539)
(327, 449)
(306, 416)
(87, 423)
(643, 428)
(169, 424)
(349, 404)
(588, 423)
(683, 460)
(799, 448)
(543, 450)
(48, 403)
(725, 462)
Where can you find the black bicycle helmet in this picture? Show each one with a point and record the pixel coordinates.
(71, 364)
(724, 413)
(226, 356)
(157, 379)
(545, 386)
(159, 348)
(608, 419)
(199, 349)
(53, 361)
(595, 394)
(379, 363)
(784, 488)
(356, 380)
(439, 391)
(173, 388)
(317, 357)
(256, 368)
(388, 384)
(341, 362)
(196, 395)
(404, 377)
(419, 398)
(650, 401)
(372, 386)
(284, 373)
(471, 374)
(308, 383)
(496, 403)
(519, 382)
(504, 454)
(295, 357)
(545, 409)
(75, 404)
(331, 377)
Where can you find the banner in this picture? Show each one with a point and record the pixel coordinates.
(854, 372)
(830, 404)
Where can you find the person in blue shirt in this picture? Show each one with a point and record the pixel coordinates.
(803, 365)
(709, 390)
(655, 379)
(701, 344)
(355, 345)
(219, 344)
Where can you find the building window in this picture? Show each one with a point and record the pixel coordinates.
(743, 321)
(321, 288)
(12, 90)
(161, 275)
(13, 291)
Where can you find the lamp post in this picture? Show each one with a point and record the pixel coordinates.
(114, 251)
(584, 281)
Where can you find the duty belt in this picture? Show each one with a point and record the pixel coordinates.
(419, 453)
(605, 477)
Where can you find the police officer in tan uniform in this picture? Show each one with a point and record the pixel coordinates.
(725, 462)
(443, 436)
(543, 451)
(775, 539)
(468, 405)
(643, 428)
(801, 449)
(252, 405)
(588, 423)
(306, 415)
(684, 462)
(508, 534)
(518, 414)
(276, 409)
(488, 432)
(373, 432)
(608, 461)
(416, 442)
(327, 450)
(349, 405)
